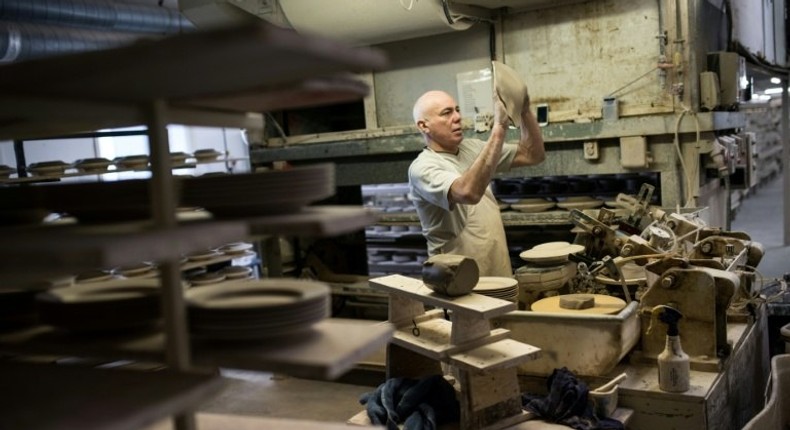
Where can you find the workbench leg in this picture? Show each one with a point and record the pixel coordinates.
(490, 400)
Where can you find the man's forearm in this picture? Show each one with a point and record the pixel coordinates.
(530, 145)
(471, 186)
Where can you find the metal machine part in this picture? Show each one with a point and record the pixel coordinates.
(599, 237)
(702, 293)
(692, 267)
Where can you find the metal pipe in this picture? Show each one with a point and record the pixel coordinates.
(34, 29)
(24, 41)
(96, 14)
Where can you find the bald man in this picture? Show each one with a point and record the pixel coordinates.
(449, 180)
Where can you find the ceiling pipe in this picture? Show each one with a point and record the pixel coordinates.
(23, 41)
(35, 29)
(96, 14)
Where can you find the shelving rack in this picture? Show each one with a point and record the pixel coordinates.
(208, 78)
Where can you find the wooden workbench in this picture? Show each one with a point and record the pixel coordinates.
(723, 400)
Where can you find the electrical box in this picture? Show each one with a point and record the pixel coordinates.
(741, 160)
(730, 68)
(591, 150)
(633, 152)
(709, 92)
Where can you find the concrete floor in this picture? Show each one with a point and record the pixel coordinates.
(266, 394)
(279, 396)
(760, 215)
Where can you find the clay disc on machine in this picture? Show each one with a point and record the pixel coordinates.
(604, 305)
(552, 252)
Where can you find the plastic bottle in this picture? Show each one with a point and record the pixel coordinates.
(673, 363)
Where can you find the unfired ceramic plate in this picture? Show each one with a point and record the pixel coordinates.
(511, 90)
(550, 255)
(91, 165)
(532, 207)
(581, 202)
(606, 305)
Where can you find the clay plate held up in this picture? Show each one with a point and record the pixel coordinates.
(511, 89)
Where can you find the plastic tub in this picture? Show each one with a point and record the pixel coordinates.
(776, 414)
(590, 345)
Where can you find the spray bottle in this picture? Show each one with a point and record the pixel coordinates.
(673, 363)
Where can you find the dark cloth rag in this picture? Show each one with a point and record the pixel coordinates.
(567, 404)
(418, 404)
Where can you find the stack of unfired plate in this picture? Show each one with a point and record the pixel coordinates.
(101, 306)
(580, 202)
(532, 205)
(93, 165)
(249, 310)
(498, 287)
(55, 168)
(262, 193)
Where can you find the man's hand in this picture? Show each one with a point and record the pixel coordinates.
(500, 113)
(525, 105)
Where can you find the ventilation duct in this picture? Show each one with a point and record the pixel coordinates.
(358, 22)
(32, 29)
(369, 22)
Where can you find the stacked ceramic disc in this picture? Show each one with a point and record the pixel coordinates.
(261, 193)
(101, 306)
(249, 310)
(497, 287)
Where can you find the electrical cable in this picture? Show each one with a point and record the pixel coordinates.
(754, 297)
(276, 126)
(632, 82)
(676, 143)
(410, 6)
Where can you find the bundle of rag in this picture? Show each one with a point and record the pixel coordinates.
(567, 404)
(418, 404)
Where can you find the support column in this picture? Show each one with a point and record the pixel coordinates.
(163, 202)
(786, 160)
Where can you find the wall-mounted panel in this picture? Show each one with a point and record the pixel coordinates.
(573, 56)
(759, 26)
(429, 63)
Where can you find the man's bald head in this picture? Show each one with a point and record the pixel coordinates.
(438, 118)
(427, 101)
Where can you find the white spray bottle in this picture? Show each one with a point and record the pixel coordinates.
(673, 363)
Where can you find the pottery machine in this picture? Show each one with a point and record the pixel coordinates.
(699, 270)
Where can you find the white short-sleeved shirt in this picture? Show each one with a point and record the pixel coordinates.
(472, 230)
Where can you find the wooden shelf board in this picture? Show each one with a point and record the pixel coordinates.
(314, 221)
(72, 172)
(477, 304)
(207, 421)
(509, 218)
(331, 348)
(434, 339)
(501, 354)
(81, 92)
(30, 254)
(71, 397)
(311, 92)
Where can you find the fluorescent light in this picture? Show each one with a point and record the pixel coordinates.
(776, 80)
(774, 90)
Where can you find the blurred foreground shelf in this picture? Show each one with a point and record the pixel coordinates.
(326, 351)
(54, 397)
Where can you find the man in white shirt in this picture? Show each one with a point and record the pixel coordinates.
(449, 180)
